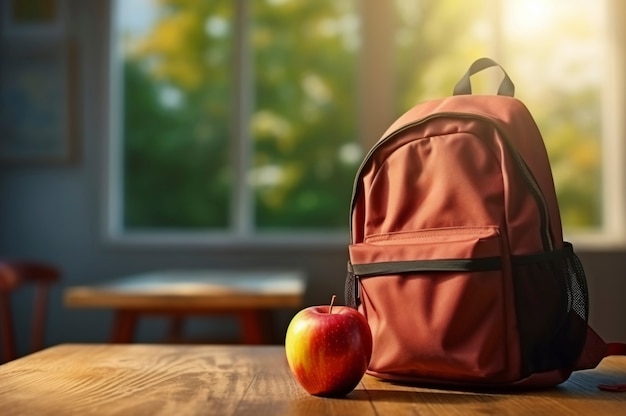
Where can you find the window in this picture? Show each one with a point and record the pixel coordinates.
(247, 120)
(237, 117)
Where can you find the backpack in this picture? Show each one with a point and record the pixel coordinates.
(456, 254)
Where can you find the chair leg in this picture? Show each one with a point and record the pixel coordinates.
(175, 331)
(39, 318)
(6, 326)
(125, 322)
(256, 326)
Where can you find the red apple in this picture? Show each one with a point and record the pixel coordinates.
(328, 349)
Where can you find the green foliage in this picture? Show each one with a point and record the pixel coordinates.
(571, 128)
(305, 88)
(178, 170)
(179, 108)
(435, 41)
(175, 160)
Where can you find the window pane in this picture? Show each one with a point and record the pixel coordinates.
(304, 120)
(435, 42)
(301, 104)
(555, 50)
(176, 97)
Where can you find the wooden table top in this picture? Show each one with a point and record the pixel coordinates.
(189, 289)
(177, 380)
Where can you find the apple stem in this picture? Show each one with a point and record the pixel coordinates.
(332, 302)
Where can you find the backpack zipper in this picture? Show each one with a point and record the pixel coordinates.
(530, 180)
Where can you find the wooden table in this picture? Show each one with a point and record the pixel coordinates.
(250, 296)
(136, 379)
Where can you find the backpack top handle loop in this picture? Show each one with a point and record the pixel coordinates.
(464, 86)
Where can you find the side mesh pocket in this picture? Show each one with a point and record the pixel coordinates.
(351, 289)
(552, 306)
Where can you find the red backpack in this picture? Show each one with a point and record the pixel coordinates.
(457, 258)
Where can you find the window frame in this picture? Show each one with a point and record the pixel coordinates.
(375, 115)
(612, 233)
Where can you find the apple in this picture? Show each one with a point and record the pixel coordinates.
(328, 349)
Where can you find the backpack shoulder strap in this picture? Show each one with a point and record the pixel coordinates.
(615, 348)
(594, 351)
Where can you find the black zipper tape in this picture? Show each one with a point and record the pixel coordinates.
(455, 265)
(438, 265)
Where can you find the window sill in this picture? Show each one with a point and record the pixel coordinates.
(596, 242)
(332, 240)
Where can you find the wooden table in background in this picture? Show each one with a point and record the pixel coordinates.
(136, 379)
(250, 296)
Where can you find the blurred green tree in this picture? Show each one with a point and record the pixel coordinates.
(179, 109)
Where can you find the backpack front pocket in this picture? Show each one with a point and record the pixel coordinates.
(434, 300)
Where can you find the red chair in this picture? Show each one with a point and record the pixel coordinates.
(13, 275)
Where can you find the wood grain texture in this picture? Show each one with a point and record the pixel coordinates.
(244, 380)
